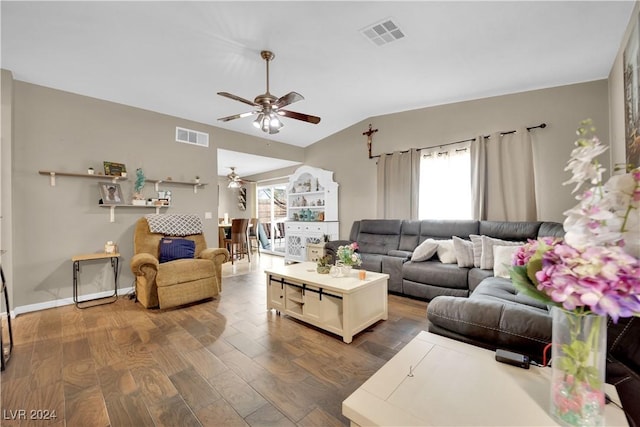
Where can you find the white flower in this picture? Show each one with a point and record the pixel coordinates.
(582, 165)
(607, 214)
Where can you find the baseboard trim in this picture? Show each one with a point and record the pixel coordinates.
(64, 301)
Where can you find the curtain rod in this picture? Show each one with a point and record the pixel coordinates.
(541, 126)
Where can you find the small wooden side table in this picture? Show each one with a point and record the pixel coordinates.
(114, 258)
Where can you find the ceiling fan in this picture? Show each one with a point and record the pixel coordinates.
(270, 107)
(234, 179)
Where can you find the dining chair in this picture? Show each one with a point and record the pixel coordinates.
(238, 239)
(253, 235)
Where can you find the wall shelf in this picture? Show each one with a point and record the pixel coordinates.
(112, 209)
(53, 174)
(193, 184)
(115, 178)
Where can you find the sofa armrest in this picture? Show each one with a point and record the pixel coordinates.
(217, 255)
(142, 262)
(495, 324)
(144, 266)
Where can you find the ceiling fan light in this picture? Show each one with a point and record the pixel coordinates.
(274, 122)
(234, 184)
(258, 122)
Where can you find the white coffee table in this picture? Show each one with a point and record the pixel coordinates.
(341, 305)
(455, 384)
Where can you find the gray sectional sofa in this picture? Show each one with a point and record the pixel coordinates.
(470, 304)
(387, 245)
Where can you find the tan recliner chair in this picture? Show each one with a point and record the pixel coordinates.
(177, 282)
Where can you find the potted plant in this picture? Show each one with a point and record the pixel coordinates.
(197, 179)
(324, 265)
(138, 198)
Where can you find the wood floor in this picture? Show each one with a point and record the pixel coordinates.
(224, 362)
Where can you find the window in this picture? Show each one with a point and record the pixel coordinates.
(445, 183)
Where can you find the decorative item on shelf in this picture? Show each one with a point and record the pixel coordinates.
(590, 274)
(111, 193)
(324, 265)
(110, 247)
(114, 169)
(123, 174)
(90, 171)
(137, 188)
(197, 180)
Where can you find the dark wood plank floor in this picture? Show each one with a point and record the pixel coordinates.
(224, 362)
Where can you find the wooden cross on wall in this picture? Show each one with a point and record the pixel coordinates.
(369, 135)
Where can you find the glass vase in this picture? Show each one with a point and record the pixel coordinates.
(578, 368)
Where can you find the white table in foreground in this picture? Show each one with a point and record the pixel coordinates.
(455, 384)
(341, 305)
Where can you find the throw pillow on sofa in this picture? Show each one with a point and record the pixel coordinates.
(172, 249)
(486, 258)
(502, 256)
(477, 249)
(464, 251)
(446, 253)
(425, 250)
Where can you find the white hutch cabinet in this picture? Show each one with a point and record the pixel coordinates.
(312, 211)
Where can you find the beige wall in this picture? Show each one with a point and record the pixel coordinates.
(561, 108)
(55, 130)
(6, 217)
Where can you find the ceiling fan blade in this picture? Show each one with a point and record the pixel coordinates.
(300, 116)
(237, 98)
(237, 116)
(287, 99)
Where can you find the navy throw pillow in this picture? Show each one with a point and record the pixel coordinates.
(171, 249)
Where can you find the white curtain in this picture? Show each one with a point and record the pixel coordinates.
(479, 178)
(507, 181)
(398, 180)
(444, 183)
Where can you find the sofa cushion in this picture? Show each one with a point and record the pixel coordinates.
(486, 256)
(446, 252)
(510, 230)
(425, 250)
(173, 248)
(184, 270)
(436, 273)
(409, 235)
(378, 236)
(464, 251)
(495, 322)
(500, 289)
(476, 276)
(502, 260)
(445, 229)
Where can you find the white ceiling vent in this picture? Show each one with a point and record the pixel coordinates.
(383, 32)
(188, 136)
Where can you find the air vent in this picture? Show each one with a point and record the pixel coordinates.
(383, 32)
(188, 136)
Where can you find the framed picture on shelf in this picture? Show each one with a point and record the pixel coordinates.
(111, 193)
(115, 169)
